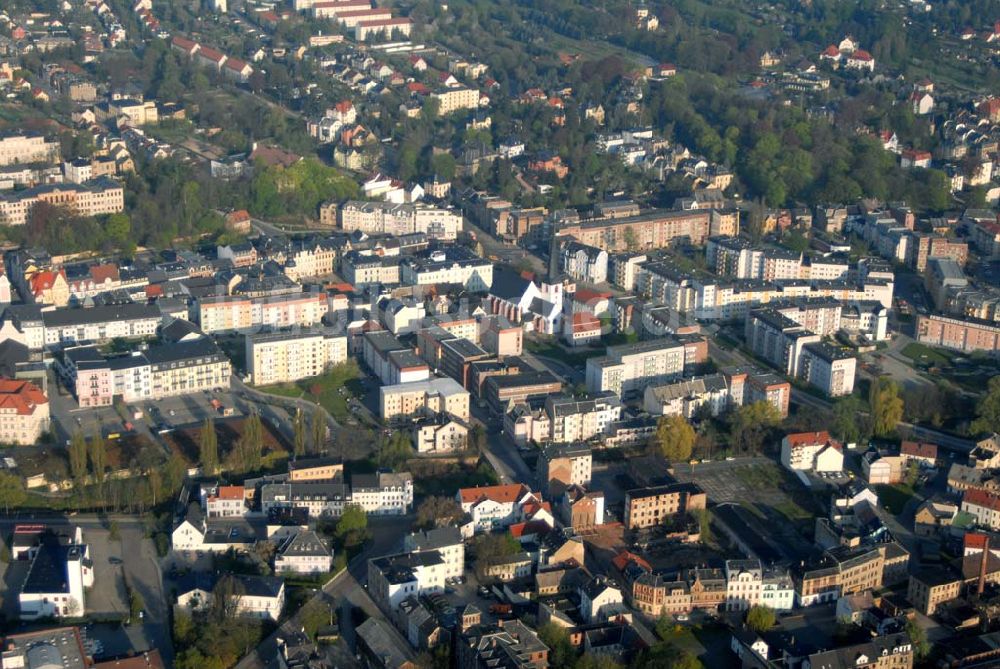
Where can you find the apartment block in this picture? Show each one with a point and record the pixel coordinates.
(93, 198)
(456, 99)
(502, 392)
(627, 369)
(241, 313)
(363, 270)
(101, 323)
(648, 507)
(291, 356)
(452, 266)
(389, 218)
(20, 149)
(650, 230)
(930, 588)
(560, 467)
(961, 334)
(572, 420)
(393, 578)
(438, 395)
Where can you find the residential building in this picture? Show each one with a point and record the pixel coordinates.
(55, 585)
(600, 600)
(744, 584)
(446, 541)
(260, 597)
(648, 507)
(399, 219)
(438, 395)
(508, 643)
(442, 433)
(812, 452)
(584, 263)
(242, 313)
(452, 266)
(930, 588)
(284, 357)
(960, 334)
(456, 99)
(93, 198)
(560, 467)
(494, 507)
(393, 578)
(24, 412)
(100, 323)
(226, 501)
(573, 420)
(383, 493)
(304, 552)
(654, 229)
(627, 369)
(983, 506)
(502, 392)
(21, 149)
(315, 469)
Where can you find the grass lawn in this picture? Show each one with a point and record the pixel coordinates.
(920, 353)
(325, 389)
(894, 497)
(760, 476)
(550, 349)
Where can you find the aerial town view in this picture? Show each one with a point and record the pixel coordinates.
(499, 334)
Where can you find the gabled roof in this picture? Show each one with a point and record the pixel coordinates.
(503, 494)
(802, 439)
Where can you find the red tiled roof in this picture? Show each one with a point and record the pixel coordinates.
(384, 22)
(230, 492)
(183, 42)
(235, 64)
(831, 51)
(974, 540)
(210, 54)
(800, 439)
(238, 216)
(154, 290)
(503, 494)
(919, 449)
(982, 498)
(588, 295)
(625, 558)
(44, 280)
(101, 273)
(23, 396)
(584, 321)
(861, 54)
(518, 530)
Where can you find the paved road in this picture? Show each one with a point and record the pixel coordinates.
(344, 592)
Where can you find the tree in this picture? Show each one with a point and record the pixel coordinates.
(849, 424)
(225, 598)
(674, 437)
(918, 635)
(562, 654)
(438, 512)
(78, 459)
(135, 604)
(318, 429)
(760, 618)
(352, 527)
(489, 547)
(315, 615)
(12, 491)
(750, 425)
(393, 451)
(208, 448)
(176, 471)
(988, 409)
(97, 459)
(299, 436)
(885, 405)
(477, 438)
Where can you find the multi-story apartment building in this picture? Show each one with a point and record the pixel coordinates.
(961, 334)
(305, 552)
(650, 230)
(648, 507)
(282, 357)
(390, 218)
(812, 451)
(584, 263)
(24, 412)
(744, 584)
(438, 395)
(573, 420)
(383, 493)
(440, 434)
(829, 368)
(560, 467)
(930, 588)
(186, 367)
(453, 266)
(319, 499)
(362, 270)
(446, 541)
(375, 28)
(629, 368)
(842, 570)
(100, 196)
(984, 506)
(22, 149)
(315, 469)
(393, 578)
(101, 323)
(623, 267)
(497, 506)
(240, 313)
(456, 99)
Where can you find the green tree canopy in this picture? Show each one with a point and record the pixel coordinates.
(674, 438)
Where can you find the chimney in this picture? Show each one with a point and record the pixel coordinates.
(982, 567)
